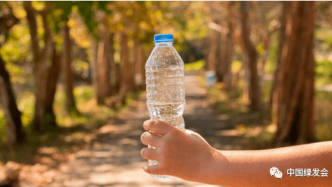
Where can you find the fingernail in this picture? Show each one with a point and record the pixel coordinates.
(153, 121)
(145, 167)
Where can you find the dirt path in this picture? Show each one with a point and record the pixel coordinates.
(113, 159)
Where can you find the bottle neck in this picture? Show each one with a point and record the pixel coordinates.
(164, 44)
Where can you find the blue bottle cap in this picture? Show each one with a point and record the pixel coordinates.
(159, 38)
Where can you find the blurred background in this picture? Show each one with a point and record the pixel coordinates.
(68, 70)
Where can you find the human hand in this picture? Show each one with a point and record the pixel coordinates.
(180, 154)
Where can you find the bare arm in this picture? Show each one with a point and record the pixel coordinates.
(236, 168)
(190, 157)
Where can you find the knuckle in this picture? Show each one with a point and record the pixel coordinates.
(175, 131)
(153, 123)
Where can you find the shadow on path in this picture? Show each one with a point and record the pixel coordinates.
(113, 158)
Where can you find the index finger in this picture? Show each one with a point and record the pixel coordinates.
(158, 127)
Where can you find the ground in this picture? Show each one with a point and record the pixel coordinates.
(113, 157)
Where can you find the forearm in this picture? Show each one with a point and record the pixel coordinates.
(251, 168)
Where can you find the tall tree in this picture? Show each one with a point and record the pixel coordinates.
(113, 71)
(125, 61)
(96, 19)
(40, 57)
(228, 49)
(285, 15)
(67, 69)
(15, 133)
(213, 52)
(251, 53)
(139, 65)
(295, 115)
(103, 58)
(52, 79)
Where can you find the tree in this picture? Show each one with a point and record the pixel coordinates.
(52, 79)
(139, 65)
(295, 88)
(67, 69)
(251, 53)
(40, 57)
(228, 49)
(286, 10)
(103, 58)
(96, 18)
(126, 83)
(15, 133)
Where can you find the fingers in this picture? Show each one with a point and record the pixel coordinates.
(148, 138)
(159, 127)
(155, 169)
(150, 154)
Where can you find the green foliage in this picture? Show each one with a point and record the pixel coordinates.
(198, 65)
(86, 11)
(236, 66)
(273, 54)
(17, 46)
(2, 127)
(323, 109)
(323, 36)
(323, 71)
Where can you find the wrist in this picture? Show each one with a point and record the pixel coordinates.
(214, 169)
(219, 170)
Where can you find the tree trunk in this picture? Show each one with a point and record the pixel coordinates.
(118, 78)
(228, 55)
(273, 101)
(40, 58)
(254, 87)
(295, 115)
(94, 67)
(113, 70)
(52, 79)
(219, 55)
(32, 22)
(125, 63)
(103, 60)
(139, 66)
(213, 51)
(67, 70)
(15, 133)
(144, 59)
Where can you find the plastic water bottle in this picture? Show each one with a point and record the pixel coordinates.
(165, 85)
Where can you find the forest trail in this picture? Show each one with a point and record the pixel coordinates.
(113, 158)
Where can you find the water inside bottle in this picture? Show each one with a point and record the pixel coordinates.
(165, 87)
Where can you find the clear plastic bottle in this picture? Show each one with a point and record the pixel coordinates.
(165, 84)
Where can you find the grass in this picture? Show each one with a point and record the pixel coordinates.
(74, 132)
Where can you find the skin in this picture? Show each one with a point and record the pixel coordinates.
(190, 157)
